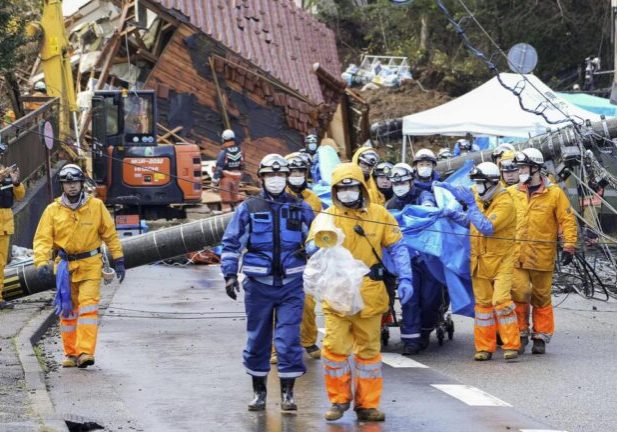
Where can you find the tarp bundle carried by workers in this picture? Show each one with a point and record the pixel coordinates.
(442, 244)
(494, 110)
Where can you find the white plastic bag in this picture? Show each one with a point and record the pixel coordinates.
(333, 274)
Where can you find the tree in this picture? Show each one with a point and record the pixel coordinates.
(12, 39)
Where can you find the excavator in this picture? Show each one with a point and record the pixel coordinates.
(129, 167)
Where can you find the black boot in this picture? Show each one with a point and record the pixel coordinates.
(287, 394)
(259, 401)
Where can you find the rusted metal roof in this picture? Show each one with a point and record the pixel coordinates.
(275, 35)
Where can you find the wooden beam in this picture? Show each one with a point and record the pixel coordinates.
(219, 94)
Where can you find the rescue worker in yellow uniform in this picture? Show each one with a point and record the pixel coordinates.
(543, 213)
(360, 334)
(491, 216)
(11, 190)
(367, 159)
(297, 185)
(509, 170)
(74, 226)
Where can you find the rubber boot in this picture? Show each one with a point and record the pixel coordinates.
(539, 346)
(336, 411)
(524, 343)
(287, 394)
(69, 361)
(370, 415)
(84, 360)
(259, 400)
(482, 356)
(510, 354)
(425, 339)
(412, 348)
(313, 351)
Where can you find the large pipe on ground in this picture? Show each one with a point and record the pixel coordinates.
(23, 280)
(552, 144)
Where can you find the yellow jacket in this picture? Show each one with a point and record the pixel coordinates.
(309, 197)
(540, 218)
(76, 231)
(381, 235)
(7, 224)
(376, 196)
(488, 253)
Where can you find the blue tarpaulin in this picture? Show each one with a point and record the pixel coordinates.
(591, 103)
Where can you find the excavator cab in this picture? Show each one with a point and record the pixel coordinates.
(129, 167)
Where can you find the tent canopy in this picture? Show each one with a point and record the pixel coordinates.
(591, 103)
(493, 110)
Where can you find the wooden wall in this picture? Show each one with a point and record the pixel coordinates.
(258, 113)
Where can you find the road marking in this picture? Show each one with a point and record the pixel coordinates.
(322, 330)
(540, 430)
(400, 361)
(472, 396)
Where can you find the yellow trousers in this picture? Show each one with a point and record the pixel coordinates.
(362, 336)
(308, 327)
(4, 254)
(80, 329)
(533, 287)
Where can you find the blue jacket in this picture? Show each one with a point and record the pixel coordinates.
(230, 158)
(315, 172)
(427, 185)
(273, 231)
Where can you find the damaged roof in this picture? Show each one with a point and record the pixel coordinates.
(275, 35)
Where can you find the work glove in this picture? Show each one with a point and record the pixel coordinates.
(461, 193)
(566, 257)
(215, 182)
(232, 286)
(118, 266)
(45, 272)
(405, 291)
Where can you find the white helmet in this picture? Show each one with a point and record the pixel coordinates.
(487, 171)
(40, 86)
(529, 156)
(228, 135)
(401, 172)
(424, 155)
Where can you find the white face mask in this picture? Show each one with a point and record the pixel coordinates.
(348, 196)
(480, 188)
(275, 185)
(523, 178)
(297, 181)
(312, 147)
(425, 171)
(401, 189)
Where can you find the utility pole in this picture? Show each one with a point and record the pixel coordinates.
(614, 38)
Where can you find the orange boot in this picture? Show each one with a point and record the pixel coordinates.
(485, 332)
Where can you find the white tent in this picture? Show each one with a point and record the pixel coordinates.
(493, 110)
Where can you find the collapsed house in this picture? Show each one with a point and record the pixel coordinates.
(266, 69)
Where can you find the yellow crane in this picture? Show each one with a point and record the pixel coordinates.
(56, 61)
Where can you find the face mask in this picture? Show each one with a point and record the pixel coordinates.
(425, 171)
(348, 196)
(312, 147)
(275, 185)
(297, 181)
(524, 178)
(401, 190)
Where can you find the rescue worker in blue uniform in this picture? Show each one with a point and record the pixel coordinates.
(381, 175)
(424, 163)
(422, 312)
(271, 227)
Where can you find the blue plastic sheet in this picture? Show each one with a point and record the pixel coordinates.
(62, 302)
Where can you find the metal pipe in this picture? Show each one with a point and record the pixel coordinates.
(549, 143)
(23, 280)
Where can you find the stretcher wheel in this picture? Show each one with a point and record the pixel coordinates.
(385, 336)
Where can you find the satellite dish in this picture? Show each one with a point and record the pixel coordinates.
(522, 58)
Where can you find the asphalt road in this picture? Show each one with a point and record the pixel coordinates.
(169, 359)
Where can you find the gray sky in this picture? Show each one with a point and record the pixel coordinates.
(70, 6)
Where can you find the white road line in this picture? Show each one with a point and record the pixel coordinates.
(321, 330)
(399, 361)
(540, 430)
(472, 396)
